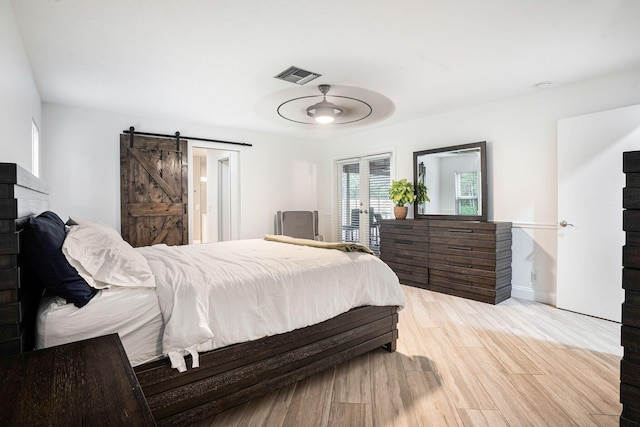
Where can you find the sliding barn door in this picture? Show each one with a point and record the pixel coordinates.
(153, 191)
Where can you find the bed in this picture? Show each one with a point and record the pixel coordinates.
(228, 372)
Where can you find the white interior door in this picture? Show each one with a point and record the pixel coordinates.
(224, 200)
(590, 182)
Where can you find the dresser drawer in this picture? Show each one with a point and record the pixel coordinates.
(471, 227)
(406, 225)
(468, 249)
(502, 278)
(447, 234)
(13, 345)
(9, 278)
(632, 238)
(404, 244)
(411, 275)
(630, 194)
(8, 296)
(471, 290)
(631, 220)
(442, 276)
(437, 260)
(630, 395)
(9, 331)
(408, 239)
(404, 256)
(409, 270)
(9, 243)
(631, 279)
(8, 261)
(10, 313)
(408, 233)
(630, 340)
(630, 312)
(631, 256)
(630, 373)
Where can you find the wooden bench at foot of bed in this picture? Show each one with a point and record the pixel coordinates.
(236, 374)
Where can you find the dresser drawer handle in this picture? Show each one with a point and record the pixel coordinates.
(461, 248)
(404, 227)
(404, 242)
(459, 230)
(461, 265)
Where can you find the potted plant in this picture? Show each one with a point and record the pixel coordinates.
(401, 193)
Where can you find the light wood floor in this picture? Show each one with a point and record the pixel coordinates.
(462, 363)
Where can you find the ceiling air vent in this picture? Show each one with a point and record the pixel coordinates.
(297, 75)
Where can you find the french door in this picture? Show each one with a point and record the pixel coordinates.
(363, 199)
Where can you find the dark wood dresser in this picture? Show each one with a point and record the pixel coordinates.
(404, 246)
(87, 382)
(630, 332)
(21, 195)
(469, 259)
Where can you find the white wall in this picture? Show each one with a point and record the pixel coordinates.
(522, 167)
(19, 97)
(81, 163)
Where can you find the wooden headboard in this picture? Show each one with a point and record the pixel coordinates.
(21, 196)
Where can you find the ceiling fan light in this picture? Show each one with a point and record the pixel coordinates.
(324, 119)
(324, 112)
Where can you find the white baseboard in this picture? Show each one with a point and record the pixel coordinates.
(522, 292)
(532, 295)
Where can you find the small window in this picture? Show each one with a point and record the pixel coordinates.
(467, 193)
(35, 149)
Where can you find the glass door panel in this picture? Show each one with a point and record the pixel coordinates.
(363, 199)
(380, 206)
(349, 202)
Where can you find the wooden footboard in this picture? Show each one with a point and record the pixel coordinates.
(233, 375)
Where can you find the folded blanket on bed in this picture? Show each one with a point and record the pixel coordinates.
(341, 246)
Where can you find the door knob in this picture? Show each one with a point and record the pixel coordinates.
(564, 223)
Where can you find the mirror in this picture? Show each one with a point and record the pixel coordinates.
(456, 181)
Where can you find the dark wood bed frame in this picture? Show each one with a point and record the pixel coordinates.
(227, 376)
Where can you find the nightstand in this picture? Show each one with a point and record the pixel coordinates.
(87, 382)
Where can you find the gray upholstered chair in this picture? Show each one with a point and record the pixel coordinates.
(301, 224)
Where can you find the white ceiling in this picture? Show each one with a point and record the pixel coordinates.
(213, 61)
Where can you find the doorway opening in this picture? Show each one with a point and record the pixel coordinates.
(214, 194)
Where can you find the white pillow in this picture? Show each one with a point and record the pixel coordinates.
(103, 259)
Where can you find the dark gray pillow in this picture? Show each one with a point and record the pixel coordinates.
(42, 244)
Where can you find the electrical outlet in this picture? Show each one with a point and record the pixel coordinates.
(534, 275)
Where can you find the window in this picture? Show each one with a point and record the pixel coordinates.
(35, 149)
(467, 193)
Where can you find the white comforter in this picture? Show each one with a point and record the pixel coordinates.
(217, 294)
